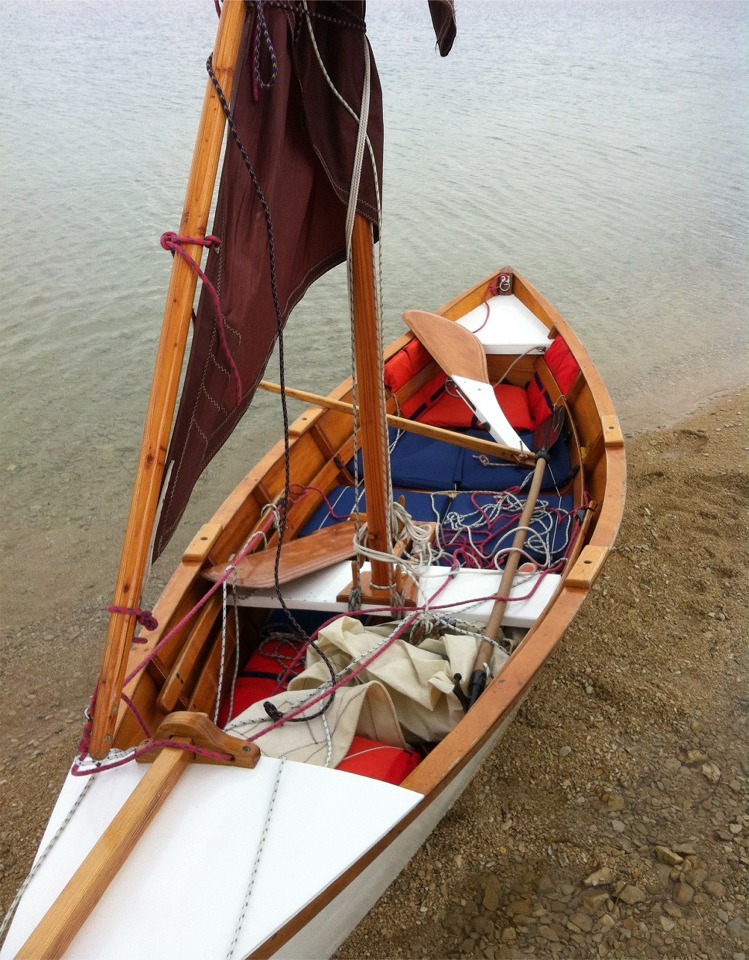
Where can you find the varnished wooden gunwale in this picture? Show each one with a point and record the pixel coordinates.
(603, 470)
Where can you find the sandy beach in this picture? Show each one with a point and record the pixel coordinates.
(612, 820)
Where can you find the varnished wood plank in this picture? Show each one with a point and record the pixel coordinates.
(298, 558)
(178, 685)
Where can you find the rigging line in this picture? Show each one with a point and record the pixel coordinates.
(224, 604)
(283, 502)
(10, 913)
(256, 864)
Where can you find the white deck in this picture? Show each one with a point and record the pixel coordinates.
(180, 893)
(510, 328)
(464, 593)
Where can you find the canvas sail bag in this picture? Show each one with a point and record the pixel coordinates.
(363, 710)
(418, 678)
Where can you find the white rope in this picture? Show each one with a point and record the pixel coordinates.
(256, 864)
(222, 662)
(42, 857)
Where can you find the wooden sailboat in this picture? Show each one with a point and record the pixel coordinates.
(225, 802)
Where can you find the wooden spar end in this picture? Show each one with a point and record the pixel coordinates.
(198, 730)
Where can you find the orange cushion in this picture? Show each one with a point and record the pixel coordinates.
(368, 758)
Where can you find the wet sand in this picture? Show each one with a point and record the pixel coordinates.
(611, 821)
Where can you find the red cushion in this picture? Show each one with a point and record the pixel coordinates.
(259, 679)
(451, 411)
(368, 758)
(405, 364)
(564, 368)
(562, 364)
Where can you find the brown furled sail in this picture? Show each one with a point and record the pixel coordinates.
(300, 142)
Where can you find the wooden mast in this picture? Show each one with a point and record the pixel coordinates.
(165, 383)
(372, 421)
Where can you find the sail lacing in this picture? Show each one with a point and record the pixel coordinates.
(176, 244)
(262, 34)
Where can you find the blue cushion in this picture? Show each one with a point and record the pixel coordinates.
(421, 506)
(479, 472)
(477, 525)
(421, 462)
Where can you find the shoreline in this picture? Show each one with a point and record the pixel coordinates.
(582, 783)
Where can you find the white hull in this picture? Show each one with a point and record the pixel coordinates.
(325, 932)
(188, 906)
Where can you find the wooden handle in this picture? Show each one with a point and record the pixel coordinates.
(169, 359)
(494, 623)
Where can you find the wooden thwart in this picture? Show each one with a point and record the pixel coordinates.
(298, 558)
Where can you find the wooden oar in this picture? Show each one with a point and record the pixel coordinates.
(488, 447)
(160, 413)
(543, 439)
(461, 355)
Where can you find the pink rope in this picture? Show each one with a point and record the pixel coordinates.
(136, 713)
(175, 243)
(144, 617)
(146, 748)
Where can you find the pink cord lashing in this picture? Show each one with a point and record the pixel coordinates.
(176, 244)
(144, 617)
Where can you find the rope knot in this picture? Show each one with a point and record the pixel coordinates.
(144, 617)
(171, 240)
(175, 243)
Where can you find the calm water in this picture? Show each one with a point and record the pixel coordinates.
(601, 149)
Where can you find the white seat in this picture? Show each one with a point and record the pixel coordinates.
(509, 328)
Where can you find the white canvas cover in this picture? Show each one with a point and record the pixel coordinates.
(419, 678)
